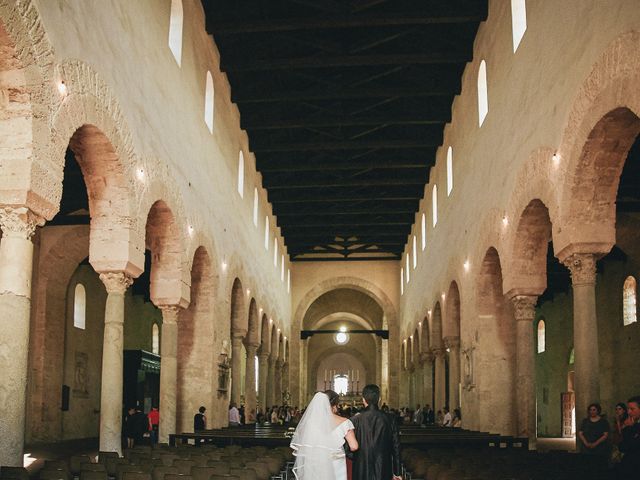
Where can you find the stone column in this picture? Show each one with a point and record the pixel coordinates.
(271, 390)
(427, 377)
(585, 330)
(236, 365)
(285, 378)
(453, 344)
(524, 310)
(263, 359)
(116, 284)
(16, 263)
(250, 395)
(278, 381)
(168, 371)
(419, 383)
(440, 394)
(411, 375)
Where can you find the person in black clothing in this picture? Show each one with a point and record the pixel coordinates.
(129, 426)
(378, 457)
(199, 420)
(140, 425)
(630, 445)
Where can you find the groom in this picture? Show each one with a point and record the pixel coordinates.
(378, 457)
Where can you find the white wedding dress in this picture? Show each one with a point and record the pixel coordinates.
(318, 444)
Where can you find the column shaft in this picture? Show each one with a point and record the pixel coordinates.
(427, 378)
(116, 284)
(419, 384)
(453, 344)
(250, 393)
(440, 394)
(168, 372)
(271, 391)
(263, 374)
(524, 313)
(236, 365)
(16, 264)
(278, 382)
(585, 330)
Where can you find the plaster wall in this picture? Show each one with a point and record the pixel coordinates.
(537, 97)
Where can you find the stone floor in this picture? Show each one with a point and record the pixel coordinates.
(35, 455)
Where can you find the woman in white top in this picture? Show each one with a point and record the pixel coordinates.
(319, 438)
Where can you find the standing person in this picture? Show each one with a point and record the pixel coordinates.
(428, 417)
(318, 441)
(234, 416)
(154, 421)
(140, 425)
(594, 432)
(129, 426)
(378, 456)
(418, 415)
(199, 420)
(630, 445)
(446, 420)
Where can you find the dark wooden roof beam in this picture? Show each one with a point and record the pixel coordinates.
(349, 183)
(345, 165)
(314, 146)
(250, 122)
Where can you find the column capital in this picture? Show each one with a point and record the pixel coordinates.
(524, 307)
(582, 267)
(116, 282)
(263, 356)
(452, 342)
(170, 313)
(439, 352)
(426, 357)
(279, 363)
(19, 222)
(252, 346)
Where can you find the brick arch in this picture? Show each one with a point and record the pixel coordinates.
(47, 340)
(26, 62)
(239, 320)
(451, 325)
(166, 244)
(527, 270)
(197, 359)
(601, 127)
(253, 332)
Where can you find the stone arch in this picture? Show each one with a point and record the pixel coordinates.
(527, 272)
(253, 331)
(340, 352)
(490, 349)
(417, 348)
(275, 342)
(410, 352)
(602, 126)
(451, 326)
(265, 339)
(239, 321)
(47, 342)
(197, 371)
(403, 355)
(436, 327)
(424, 335)
(166, 244)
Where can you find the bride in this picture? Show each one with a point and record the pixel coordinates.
(319, 438)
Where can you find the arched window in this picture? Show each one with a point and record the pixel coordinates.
(518, 21)
(449, 171)
(155, 339)
(275, 251)
(79, 307)
(414, 249)
(401, 281)
(255, 207)
(434, 201)
(483, 100)
(629, 306)
(208, 103)
(241, 174)
(266, 233)
(541, 336)
(572, 356)
(175, 30)
(424, 231)
(407, 270)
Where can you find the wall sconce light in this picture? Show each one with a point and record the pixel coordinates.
(62, 88)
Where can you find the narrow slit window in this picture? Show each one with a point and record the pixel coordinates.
(208, 103)
(449, 171)
(407, 270)
(80, 307)
(255, 207)
(629, 303)
(541, 337)
(176, 21)
(518, 21)
(483, 100)
(288, 280)
(241, 174)
(424, 231)
(434, 202)
(266, 233)
(401, 281)
(414, 251)
(155, 339)
(282, 268)
(275, 251)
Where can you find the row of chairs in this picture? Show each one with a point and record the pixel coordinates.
(167, 463)
(496, 464)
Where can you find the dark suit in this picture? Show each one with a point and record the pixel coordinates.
(378, 455)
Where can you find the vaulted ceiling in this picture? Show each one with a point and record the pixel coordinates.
(344, 103)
